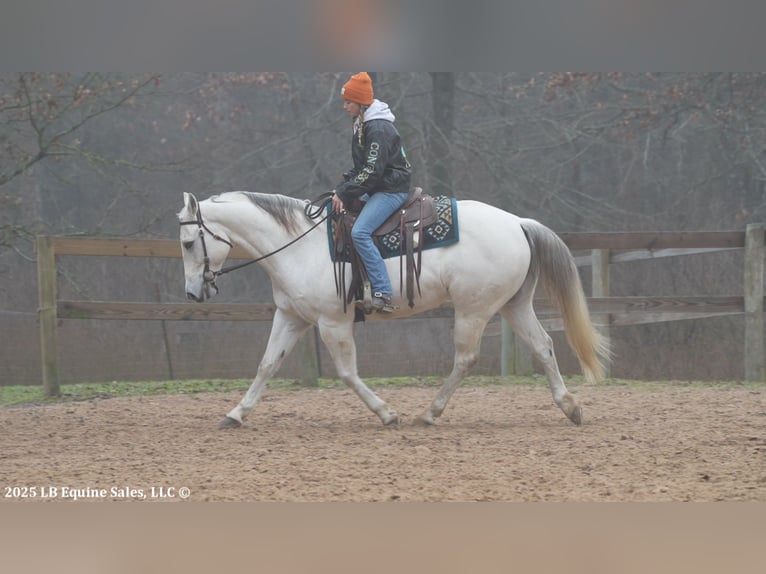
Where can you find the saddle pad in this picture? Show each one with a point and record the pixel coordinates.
(442, 232)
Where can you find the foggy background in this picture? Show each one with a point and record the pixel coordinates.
(109, 155)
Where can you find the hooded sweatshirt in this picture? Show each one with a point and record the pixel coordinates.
(380, 163)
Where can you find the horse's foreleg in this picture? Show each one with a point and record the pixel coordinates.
(468, 332)
(285, 332)
(522, 319)
(339, 340)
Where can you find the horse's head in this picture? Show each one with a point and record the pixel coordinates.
(204, 249)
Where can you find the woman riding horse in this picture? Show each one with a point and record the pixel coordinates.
(379, 180)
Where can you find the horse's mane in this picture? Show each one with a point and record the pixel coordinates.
(287, 211)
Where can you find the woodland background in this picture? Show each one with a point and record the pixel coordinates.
(109, 154)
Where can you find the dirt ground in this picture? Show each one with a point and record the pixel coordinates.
(494, 443)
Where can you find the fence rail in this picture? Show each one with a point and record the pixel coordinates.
(606, 249)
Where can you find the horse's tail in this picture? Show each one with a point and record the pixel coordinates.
(553, 265)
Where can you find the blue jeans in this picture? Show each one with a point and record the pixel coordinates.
(376, 210)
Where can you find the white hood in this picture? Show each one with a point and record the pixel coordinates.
(379, 111)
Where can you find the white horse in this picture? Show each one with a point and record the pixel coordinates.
(493, 268)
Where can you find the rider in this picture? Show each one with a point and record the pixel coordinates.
(380, 178)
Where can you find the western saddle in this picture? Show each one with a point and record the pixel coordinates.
(417, 213)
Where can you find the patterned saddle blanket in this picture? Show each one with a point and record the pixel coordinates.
(442, 232)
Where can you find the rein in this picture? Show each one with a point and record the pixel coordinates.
(313, 209)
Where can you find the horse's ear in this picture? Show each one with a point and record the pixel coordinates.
(190, 202)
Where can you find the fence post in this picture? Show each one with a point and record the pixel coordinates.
(600, 288)
(753, 284)
(515, 356)
(307, 352)
(46, 286)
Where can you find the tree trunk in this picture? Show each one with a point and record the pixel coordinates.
(443, 102)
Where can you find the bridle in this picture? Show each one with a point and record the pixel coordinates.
(208, 275)
(312, 209)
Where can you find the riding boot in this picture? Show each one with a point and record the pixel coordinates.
(382, 303)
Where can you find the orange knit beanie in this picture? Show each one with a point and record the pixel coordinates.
(358, 89)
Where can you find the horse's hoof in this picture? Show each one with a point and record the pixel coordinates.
(229, 423)
(576, 415)
(424, 420)
(392, 420)
(571, 409)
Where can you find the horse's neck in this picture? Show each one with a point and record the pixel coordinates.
(247, 226)
(259, 234)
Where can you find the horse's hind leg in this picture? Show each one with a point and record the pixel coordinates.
(468, 332)
(522, 319)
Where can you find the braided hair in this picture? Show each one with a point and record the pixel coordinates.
(359, 125)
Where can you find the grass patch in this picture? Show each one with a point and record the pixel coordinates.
(33, 394)
(24, 394)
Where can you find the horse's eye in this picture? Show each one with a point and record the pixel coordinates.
(188, 245)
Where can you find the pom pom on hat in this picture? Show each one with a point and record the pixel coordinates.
(358, 89)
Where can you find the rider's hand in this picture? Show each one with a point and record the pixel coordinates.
(337, 204)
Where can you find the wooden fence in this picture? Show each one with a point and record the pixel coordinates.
(606, 249)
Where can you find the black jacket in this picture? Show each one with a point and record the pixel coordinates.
(380, 163)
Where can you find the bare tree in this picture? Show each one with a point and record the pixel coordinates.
(43, 119)
(440, 132)
(40, 114)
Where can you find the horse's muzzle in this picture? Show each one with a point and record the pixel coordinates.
(194, 297)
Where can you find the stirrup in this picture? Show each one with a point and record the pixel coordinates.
(382, 303)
